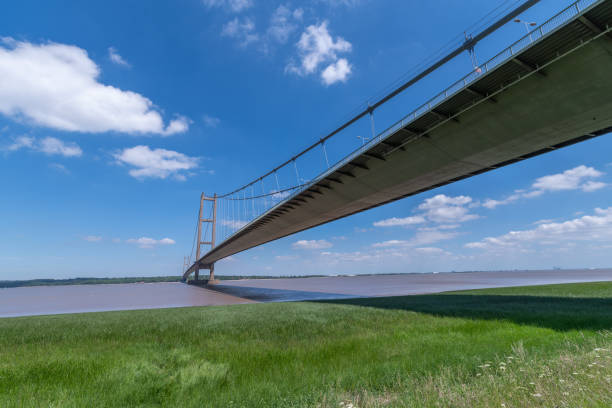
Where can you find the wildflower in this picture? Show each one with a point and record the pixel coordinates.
(537, 395)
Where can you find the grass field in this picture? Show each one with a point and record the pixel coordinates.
(518, 347)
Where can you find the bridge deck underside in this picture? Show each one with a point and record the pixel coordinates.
(555, 93)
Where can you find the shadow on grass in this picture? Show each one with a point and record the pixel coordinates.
(274, 295)
(557, 313)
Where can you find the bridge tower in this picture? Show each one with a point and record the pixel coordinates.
(213, 222)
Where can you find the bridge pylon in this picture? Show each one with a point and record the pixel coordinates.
(213, 222)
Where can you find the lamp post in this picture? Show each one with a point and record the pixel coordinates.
(363, 139)
(527, 25)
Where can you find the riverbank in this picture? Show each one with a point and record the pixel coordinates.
(527, 346)
(109, 281)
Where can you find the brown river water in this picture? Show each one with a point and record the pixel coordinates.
(41, 300)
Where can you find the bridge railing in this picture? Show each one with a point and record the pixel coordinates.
(244, 205)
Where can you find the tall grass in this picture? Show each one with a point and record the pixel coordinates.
(535, 346)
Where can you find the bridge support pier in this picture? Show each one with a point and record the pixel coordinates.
(213, 221)
(211, 276)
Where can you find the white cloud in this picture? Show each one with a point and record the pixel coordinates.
(432, 251)
(145, 242)
(156, 163)
(391, 243)
(298, 14)
(591, 186)
(241, 30)
(114, 56)
(573, 179)
(316, 47)
(280, 195)
(568, 180)
(336, 72)
(312, 244)
(444, 209)
(92, 238)
(178, 125)
(56, 85)
(431, 235)
(48, 145)
(282, 24)
(234, 224)
(491, 204)
(426, 236)
(51, 145)
(232, 5)
(395, 222)
(211, 121)
(596, 227)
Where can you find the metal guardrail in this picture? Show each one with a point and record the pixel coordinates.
(536, 35)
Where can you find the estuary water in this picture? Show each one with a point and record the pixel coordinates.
(41, 300)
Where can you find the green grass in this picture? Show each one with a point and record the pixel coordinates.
(532, 346)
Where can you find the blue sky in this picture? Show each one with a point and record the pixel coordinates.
(115, 115)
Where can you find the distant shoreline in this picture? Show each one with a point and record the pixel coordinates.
(156, 279)
(106, 281)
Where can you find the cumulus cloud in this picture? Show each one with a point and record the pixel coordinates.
(312, 244)
(156, 163)
(48, 145)
(114, 56)
(572, 179)
(444, 209)
(57, 86)
(317, 47)
(596, 227)
(92, 238)
(235, 6)
(336, 72)
(400, 222)
(577, 178)
(145, 242)
(243, 30)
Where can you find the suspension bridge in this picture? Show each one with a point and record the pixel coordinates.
(550, 89)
